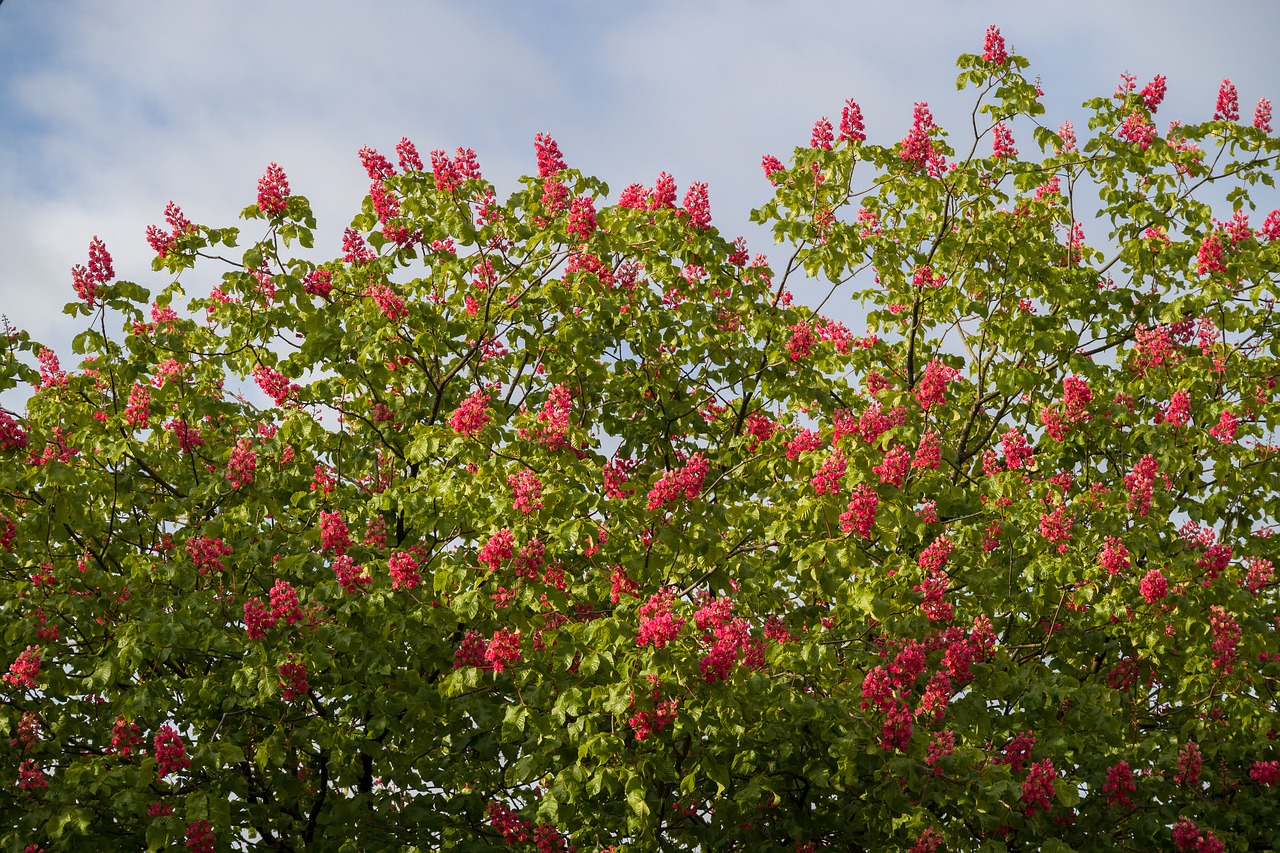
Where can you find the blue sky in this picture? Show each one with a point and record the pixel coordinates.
(113, 107)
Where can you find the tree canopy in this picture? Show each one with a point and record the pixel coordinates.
(557, 523)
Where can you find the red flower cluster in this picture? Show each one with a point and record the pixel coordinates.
(860, 517)
(658, 626)
(1228, 106)
(993, 49)
(100, 271)
(25, 668)
(170, 753)
(207, 552)
(472, 416)
(683, 482)
(526, 490)
(273, 191)
(501, 546)
(1038, 787)
(403, 566)
(503, 649)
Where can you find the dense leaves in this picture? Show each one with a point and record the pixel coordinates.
(557, 522)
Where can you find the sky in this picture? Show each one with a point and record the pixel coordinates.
(111, 108)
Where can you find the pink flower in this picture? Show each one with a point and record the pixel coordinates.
(274, 384)
(403, 567)
(1228, 106)
(683, 482)
(99, 272)
(350, 576)
(472, 416)
(1262, 115)
(206, 553)
(1119, 785)
(698, 206)
(993, 49)
(827, 478)
(294, 684)
(658, 626)
(377, 167)
(501, 546)
(526, 491)
(934, 558)
(916, 149)
(200, 837)
(929, 453)
(25, 669)
(1265, 772)
(1225, 430)
(582, 218)
(273, 191)
(1226, 636)
(1153, 93)
(1038, 788)
(860, 517)
(1067, 133)
(895, 466)
(934, 589)
(170, 753)
(408, 154)
(241, 464)
(30, 776)
(125, 737)
(257, 619)
(1140, 483)
(318, 283)
(550, 160)
(138, 412)
(552, 430)
(1209, 256)
(355, 249)
(1153, 586)
(1178, 412)
(822, 135)
(931, 390)
(1138, 130)
(503, 650)
(334, 535)
(284, 603)
(1260, 575)
(800, 344)
(852, 128)
(1114, 557)
(1017, 452)
(1188, 765)
(1002, 146)
(771, 165)
(388, 302)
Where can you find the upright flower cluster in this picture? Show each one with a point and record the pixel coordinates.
(25, 669)
(472, 416)
(931, 390)
(1002, 145)
(206, 553)
(1228, 106)
(993, 49)
(852, 128)
(100, 271)
(683, 482)
(403, 566)
(170, 752)
(526, 490)
(273, 191)
(658, 625)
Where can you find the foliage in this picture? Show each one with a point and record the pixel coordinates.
(556, 522)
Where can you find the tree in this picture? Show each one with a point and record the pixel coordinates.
(556, 522)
